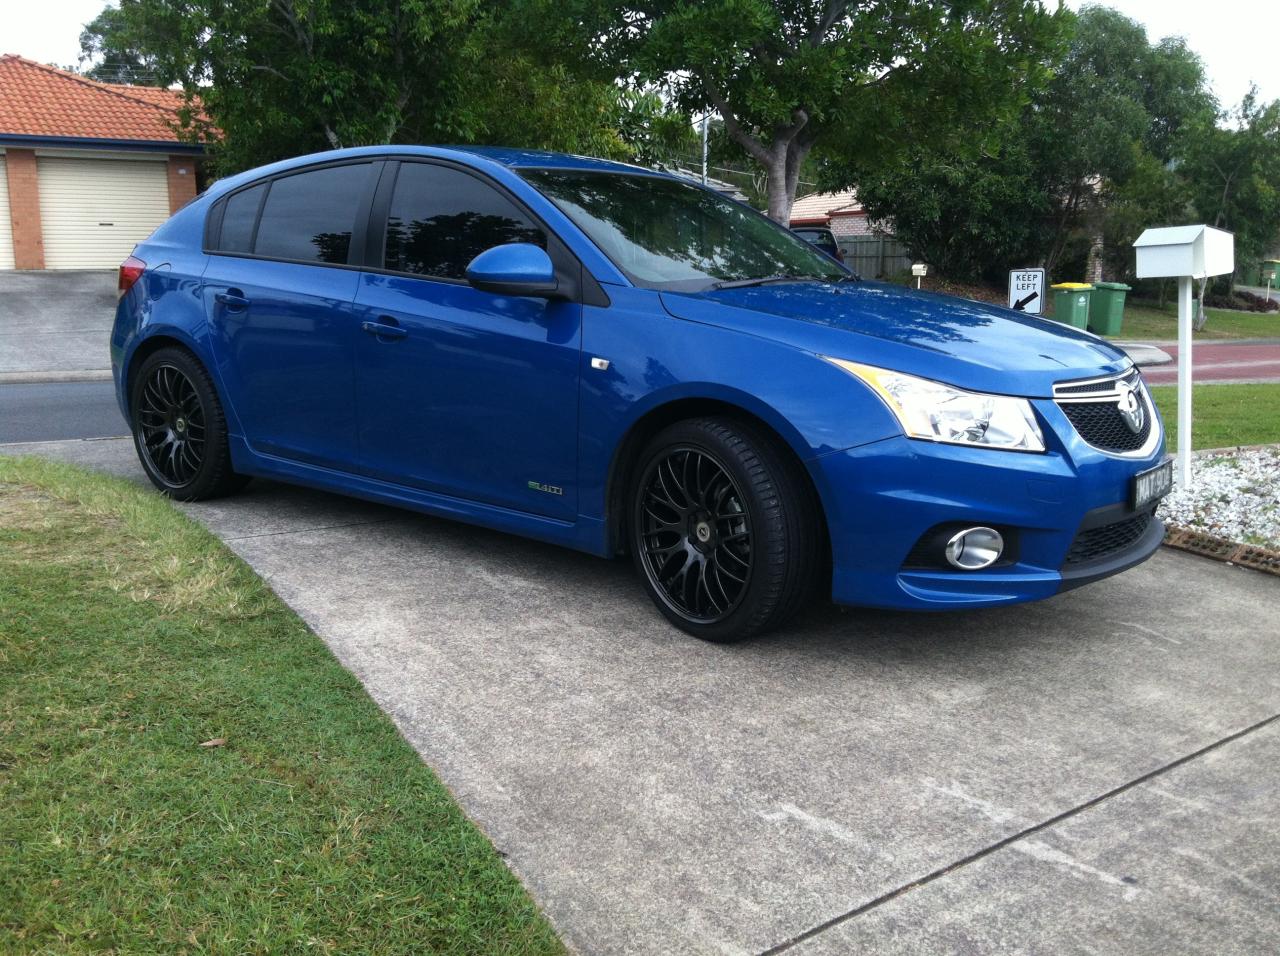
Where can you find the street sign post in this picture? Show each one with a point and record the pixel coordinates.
(1026, 290)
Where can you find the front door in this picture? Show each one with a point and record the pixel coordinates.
(463, 392)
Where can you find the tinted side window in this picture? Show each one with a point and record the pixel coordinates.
(310, 216)
(238, 217)
(442, 218)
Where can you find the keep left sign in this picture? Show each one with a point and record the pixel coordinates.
(1026, 290)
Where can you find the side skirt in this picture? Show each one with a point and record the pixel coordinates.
(585, 534)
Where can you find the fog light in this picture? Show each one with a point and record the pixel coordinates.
(974, 548)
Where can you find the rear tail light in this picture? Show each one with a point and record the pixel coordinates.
(130, 272)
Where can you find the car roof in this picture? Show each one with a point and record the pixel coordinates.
(506, 156)
(542, 159)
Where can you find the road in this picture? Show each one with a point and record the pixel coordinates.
(1096, 773)
(1222, 362)
(50, 411)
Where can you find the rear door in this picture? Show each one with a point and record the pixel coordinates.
(278, 292)
(464, 392)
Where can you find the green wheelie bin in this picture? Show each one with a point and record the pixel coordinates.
(1106, 308)
(1071, 303)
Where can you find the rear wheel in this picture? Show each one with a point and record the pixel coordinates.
(723, 529)
(179, 429)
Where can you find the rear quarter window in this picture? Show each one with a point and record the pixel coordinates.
(238, 218)
(311, 216)
(303, 217)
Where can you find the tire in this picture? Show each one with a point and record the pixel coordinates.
(179, 429)
(723, 528)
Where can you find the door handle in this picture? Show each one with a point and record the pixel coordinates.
(384, 330)
(233, 299)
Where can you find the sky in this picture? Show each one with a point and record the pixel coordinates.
(1227, 34)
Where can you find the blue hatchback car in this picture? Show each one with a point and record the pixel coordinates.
(621, 361)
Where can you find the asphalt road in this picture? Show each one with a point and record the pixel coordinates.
(1097, 773)
(1222, 362)
(51, 411)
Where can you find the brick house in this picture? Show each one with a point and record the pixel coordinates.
(87, 169)
(840, 212)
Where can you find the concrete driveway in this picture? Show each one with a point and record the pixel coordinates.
(55, 326)
(1099, 772)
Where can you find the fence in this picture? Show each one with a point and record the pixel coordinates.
(875, 257)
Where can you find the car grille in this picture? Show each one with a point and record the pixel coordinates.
(1094, 410)
(1093, 544)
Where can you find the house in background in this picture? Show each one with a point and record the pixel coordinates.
(840, 212)
(87, 169)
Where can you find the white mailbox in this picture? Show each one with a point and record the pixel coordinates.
(1185, 253)
(1177, 251)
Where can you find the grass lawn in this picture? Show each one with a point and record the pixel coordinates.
(130, 639)
(1224, 415)
(1145, 321)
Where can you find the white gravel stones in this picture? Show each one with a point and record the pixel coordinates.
(1233, 494)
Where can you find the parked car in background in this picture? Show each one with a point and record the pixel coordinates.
(824, 239)
(621, 361)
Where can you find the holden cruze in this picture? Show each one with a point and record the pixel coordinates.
(621, 361)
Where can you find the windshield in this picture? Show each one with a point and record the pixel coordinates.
(666, 234)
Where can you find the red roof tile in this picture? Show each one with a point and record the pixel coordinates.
(39, 100)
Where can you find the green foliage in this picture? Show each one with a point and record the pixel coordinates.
(785, 76)
(1234, 172)
(279, 78)
(1089, 154)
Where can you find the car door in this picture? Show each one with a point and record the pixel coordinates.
(279, 292)
(463, 392)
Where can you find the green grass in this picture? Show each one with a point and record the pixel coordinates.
(1145, 321)
(129, 636)
(1224, 415)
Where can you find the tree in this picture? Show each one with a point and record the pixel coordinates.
(277, 78)
(1233, 169)
(785, 75)
(1089, 155)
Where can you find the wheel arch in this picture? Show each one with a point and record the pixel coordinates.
(149, 346)
(653, 421)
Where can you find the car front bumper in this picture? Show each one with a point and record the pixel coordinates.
(1064, 513)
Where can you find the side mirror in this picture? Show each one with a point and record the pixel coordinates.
(519, 268)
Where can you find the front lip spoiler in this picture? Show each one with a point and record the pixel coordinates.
(1130, 557)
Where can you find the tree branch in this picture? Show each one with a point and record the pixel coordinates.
(746, 140)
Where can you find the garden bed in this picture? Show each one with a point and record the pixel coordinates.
(1232, 509)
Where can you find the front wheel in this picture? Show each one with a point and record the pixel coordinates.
(723, 529)
(179, 429)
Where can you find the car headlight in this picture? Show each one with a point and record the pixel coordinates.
(937, 412)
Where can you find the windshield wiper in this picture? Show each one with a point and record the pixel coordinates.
(761, 280)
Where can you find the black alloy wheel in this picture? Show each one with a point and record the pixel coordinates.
(172, 424)
(696, 534)
(179, 429)
(724, 529)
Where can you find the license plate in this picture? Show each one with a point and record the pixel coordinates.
(1152, 484)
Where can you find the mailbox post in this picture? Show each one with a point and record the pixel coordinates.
(1185, 253)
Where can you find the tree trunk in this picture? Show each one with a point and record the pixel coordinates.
(1198, 320)
(779, 200)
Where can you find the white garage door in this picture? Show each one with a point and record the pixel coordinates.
(6, 224)
(94, 210)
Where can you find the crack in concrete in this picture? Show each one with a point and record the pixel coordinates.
(1014, 838)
